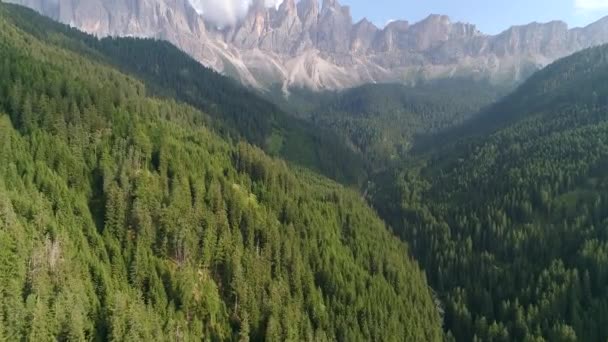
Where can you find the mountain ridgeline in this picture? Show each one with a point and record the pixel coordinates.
(316, 44)
(509, 217)
(140, 197)
(384, 121)
(125, 217)
(231, 109)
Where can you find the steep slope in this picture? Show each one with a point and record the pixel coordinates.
(233, 110)
(304, 45)
(123, 218)
(383, 120)
(510, 221)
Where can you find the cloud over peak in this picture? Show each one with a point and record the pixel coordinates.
(590, 5)
(226, 12)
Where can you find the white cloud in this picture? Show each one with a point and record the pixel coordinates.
(226, 12)
(273, 3)
(590, 5)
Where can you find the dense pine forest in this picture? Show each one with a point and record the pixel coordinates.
(509, 216)
(142, 198)
(383, 122)
(505, 205)
(230, 109)
(124, 217)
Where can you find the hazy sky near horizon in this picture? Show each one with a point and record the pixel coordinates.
(490, 16)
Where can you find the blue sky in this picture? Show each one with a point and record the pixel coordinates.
(490, 16)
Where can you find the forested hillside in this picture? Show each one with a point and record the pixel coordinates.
(231, 109)
(135, 205)
(383, 121)
(510, 219)
(123, 217)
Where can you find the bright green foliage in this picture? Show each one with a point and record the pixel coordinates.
(123, 218)
(511, 225)
(230, 109)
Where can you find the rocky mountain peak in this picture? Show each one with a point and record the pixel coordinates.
(330, 4)
(306, 8)
(363, 35)
(435, 19)
(301, 43)
(334, 27)
(288, 7)
(595, 33)
(308, 12)
(287, 12)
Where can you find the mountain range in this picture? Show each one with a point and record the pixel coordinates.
(307, 45)
(137, 205)
(126, 216)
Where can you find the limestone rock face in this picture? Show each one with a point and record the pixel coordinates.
(304, 44)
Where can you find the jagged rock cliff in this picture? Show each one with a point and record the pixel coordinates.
(303, 44)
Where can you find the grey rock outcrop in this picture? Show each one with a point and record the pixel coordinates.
(302, 44)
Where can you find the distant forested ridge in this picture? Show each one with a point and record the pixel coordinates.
(509, 217)
(140, 199)
(229, 108)
(124, 217)
(384, 121)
